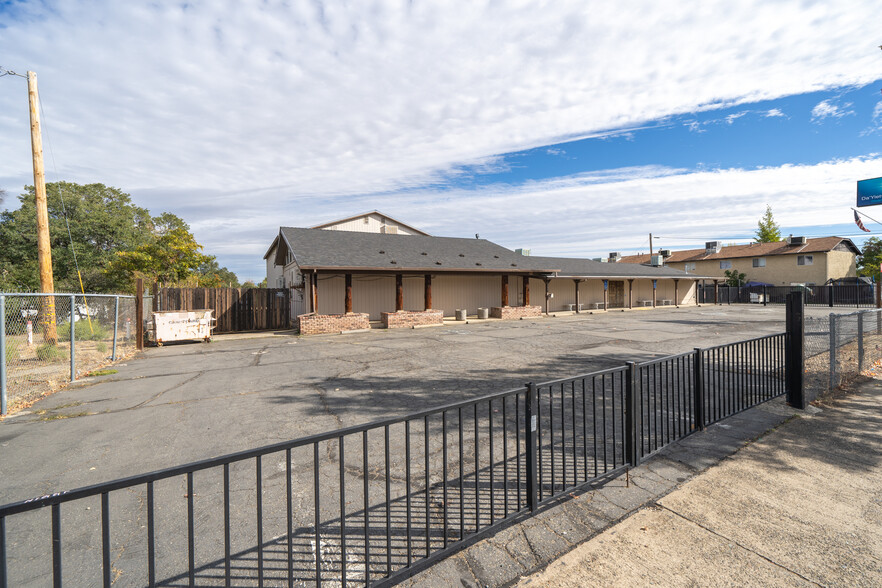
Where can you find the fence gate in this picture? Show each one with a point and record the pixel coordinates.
(236, 309)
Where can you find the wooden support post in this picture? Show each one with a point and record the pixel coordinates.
(631, 293)
(546, 280)
(716, 292)
(526, 290)
(654, 292)
(576, 282)
(677, 293)
(314, 283)
(155, 291)
(697, 301)
(399, 292)
(139, 315)
(427, 294)
(348, 300)
(606, 295)
(44, 246)
(504, 290)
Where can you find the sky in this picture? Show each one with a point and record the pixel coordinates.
(571, 128)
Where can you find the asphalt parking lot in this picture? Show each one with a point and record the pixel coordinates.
(185, 402)
(181, 403)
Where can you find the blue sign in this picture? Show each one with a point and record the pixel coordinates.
(869, 192)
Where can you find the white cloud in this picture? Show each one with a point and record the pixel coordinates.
(827, 109)
(555, 151)
(731, 118)
(774, 112)
(237, 113)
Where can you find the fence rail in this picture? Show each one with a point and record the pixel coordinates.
(372, 504)
(850, 295)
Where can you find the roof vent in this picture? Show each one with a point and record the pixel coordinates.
(393, 261)
(382, 252)
(712, 247)
(614, 256)
(423, 253)
(791, 240)
(462, 255)
(477, 263)
(656, 260)
(514, 265)
(437, 263)
(666, 253)
(495, 257)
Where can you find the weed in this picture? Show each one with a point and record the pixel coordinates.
(101, 347)
(82, 331)
(11, 351)
(107, 372)
(49, 352)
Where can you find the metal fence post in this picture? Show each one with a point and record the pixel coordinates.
(632, 454)
(860, 342)
(530, 426)
(115, 326)
(73, 362)
(3, 362)
(831, 295)
(765, 297)
(698, 388)
(795, 355)
(832, 354)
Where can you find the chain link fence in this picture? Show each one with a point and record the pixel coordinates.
(51, 339)
(855, 345)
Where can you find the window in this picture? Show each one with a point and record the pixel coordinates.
(725, 265)
(805, 260)
(759, 262)
(689, 267)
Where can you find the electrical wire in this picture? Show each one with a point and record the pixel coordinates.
(64, 213)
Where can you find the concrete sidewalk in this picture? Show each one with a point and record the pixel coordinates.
(801, 506)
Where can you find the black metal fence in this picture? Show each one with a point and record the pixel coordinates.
(372, 504)
(852, 295)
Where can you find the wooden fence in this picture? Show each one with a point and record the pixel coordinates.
(236, 309)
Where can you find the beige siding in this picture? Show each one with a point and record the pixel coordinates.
(273, 271)
(372, 223)
(783, 270)
(841, 264)
(469, 292)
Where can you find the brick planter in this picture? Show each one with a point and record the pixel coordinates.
(405, 319)
(515, 312)
(323, 324)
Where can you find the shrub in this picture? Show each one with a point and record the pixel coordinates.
(49, 352)
(82, 332)
(101, 347)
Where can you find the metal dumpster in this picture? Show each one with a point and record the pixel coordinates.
(180, 325)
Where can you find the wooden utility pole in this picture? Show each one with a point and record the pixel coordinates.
(650, 243)
(44, 248)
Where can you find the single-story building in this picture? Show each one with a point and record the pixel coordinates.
(796, 260)
(342, 279)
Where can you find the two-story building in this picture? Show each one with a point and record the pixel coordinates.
(796, 260)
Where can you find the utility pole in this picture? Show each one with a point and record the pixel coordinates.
(650, 244)
(44, 248)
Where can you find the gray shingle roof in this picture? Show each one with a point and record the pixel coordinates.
(321, 249)
(587, 268)
(347, 250)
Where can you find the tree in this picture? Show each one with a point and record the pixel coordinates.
(170, 258)
(211, 275)
(734, 277)
(767, 230)
(102, 219)
(870, 258)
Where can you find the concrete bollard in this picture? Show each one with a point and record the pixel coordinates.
(461, 314)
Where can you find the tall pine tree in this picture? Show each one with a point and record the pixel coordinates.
(767, 230)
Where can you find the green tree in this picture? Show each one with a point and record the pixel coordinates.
(734, 277)
(870, 258)
(103, 220)
(170, 258)
(767, 230)
(210, 275)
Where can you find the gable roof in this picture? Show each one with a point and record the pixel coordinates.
(364, 214)
(345, 250)
(819, 245)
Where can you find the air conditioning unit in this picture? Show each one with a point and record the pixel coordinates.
(614, 256)
(656, 260)
(666, 253)
(791, 240)
(713, 247)
(522, 251)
